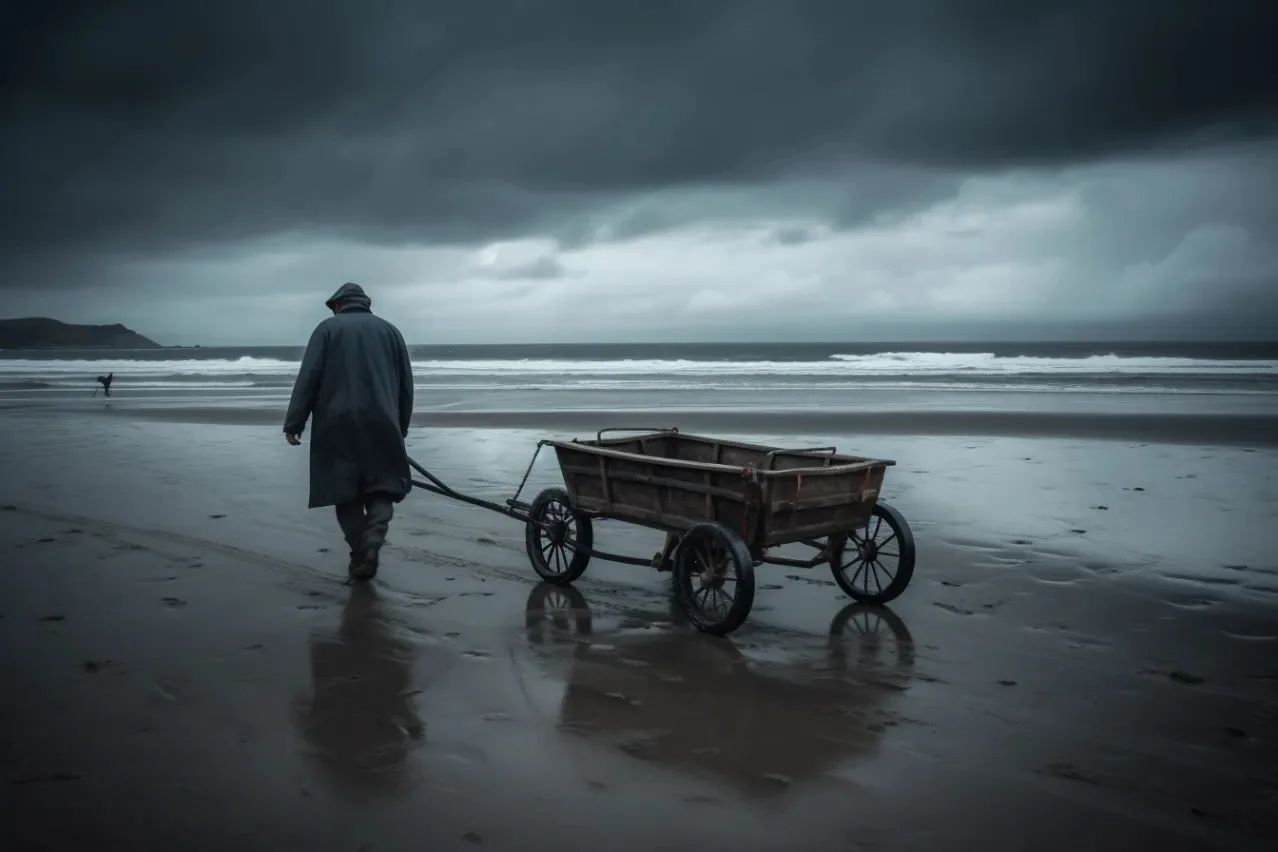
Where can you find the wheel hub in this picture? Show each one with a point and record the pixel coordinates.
(558, 533)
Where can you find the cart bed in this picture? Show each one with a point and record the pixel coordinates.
(673, 481)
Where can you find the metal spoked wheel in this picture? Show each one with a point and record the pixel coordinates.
(714, 578)
(558, 538)
(554, 612)
(875, 564)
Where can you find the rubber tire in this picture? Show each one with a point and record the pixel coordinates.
(719, 536)
(585, 538)
(905, 569)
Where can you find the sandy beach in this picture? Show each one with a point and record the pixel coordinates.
(1086, 658)
(999, 279)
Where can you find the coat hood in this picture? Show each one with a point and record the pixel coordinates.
(349, 295)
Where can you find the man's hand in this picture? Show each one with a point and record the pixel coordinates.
(293, 439)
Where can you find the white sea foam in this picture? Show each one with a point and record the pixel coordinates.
(888, 364)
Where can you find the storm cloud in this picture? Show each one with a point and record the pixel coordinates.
(481, 164)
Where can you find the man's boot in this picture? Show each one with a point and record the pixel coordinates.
(366, 568)
(380, 510)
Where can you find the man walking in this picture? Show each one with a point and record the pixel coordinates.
(356, 381)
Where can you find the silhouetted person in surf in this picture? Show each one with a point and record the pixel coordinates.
(105, 381)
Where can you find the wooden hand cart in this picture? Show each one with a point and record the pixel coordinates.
(723, 506)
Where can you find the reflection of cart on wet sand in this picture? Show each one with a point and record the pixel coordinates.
(723, 506)
(703, 708)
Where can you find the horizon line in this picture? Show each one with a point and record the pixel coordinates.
(726, 343)
(931, 341)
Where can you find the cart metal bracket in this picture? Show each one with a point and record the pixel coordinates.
(807, 451)
(666, 430)
(513, 509)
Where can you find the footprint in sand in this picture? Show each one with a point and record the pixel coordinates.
(1176, 676)
(1069, 773)
(45, 540)
(217, 517)
(1270, 571)
(57, 778)
(174, 603)
(95, 665)
(54, 618)
(809, 580)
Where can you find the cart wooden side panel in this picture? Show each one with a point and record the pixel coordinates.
(807, 506)
(650, 491)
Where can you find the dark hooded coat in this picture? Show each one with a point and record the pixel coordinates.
(356, 386)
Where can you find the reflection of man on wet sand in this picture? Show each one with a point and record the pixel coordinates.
(360, 720)
(696, 705)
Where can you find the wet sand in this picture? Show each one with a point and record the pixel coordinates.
(1087, 658)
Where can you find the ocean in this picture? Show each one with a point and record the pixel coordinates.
(1049, 367)
(805, 393)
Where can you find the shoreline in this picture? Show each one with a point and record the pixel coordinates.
(1243, 430)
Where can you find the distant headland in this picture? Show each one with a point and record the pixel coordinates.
(43, 333)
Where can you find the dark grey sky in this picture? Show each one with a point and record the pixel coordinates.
(577, 169)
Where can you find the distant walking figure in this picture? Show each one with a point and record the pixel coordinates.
(105, 381)
(355, 385)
